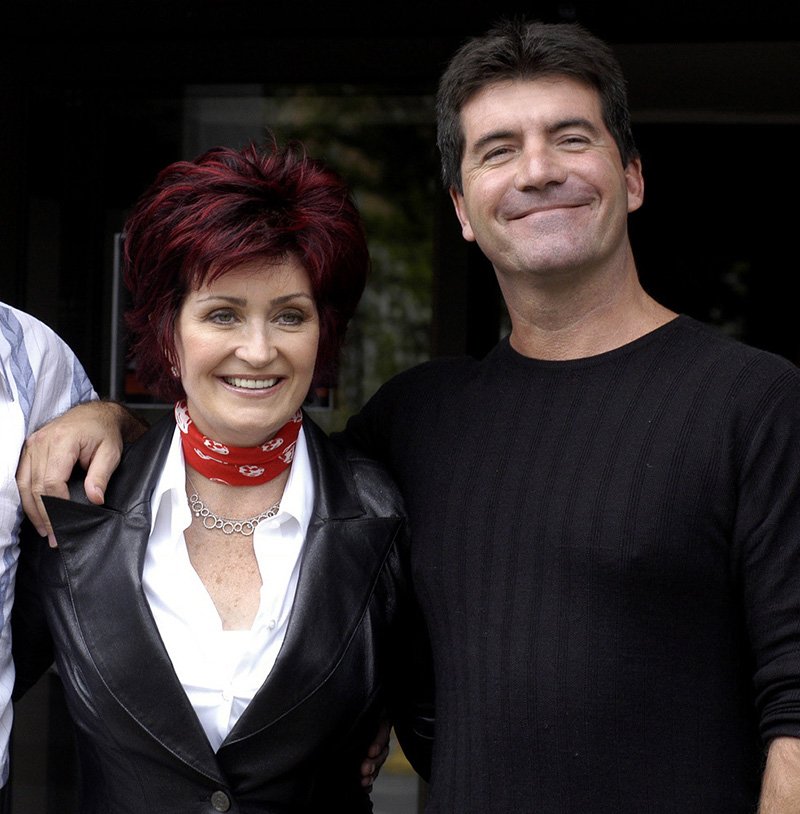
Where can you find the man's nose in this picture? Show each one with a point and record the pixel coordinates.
(538, 166)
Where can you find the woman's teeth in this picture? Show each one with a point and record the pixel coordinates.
(251, 384)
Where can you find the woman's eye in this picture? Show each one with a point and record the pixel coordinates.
(291, 318)
(221, 317)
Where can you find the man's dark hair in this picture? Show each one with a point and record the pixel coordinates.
(520, 49)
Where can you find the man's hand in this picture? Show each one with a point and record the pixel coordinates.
(376, 756)
(91, 434)
(780, 788)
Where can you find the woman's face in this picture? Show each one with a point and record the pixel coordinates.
(246, 346)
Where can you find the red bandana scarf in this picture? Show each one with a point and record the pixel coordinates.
(237, 466)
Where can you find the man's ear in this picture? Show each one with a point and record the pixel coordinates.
(458, 203)
(634, 181)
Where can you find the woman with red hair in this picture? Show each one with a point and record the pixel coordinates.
(232, 625)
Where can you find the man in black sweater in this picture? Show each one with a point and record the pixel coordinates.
(605, 510)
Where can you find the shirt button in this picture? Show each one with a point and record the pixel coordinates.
(271, 624)
(220, 801)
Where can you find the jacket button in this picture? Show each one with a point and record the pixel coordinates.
(220, 801)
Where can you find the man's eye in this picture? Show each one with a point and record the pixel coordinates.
(575, 141)
(497, 152)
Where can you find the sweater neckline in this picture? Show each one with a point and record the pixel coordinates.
(508, 353)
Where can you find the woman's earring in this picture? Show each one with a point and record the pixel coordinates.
(175, 372)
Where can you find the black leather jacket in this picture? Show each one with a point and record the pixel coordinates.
(352, 649)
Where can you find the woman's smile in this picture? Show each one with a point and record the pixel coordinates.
(250, 384)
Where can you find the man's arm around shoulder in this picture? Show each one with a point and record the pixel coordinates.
(91, 434)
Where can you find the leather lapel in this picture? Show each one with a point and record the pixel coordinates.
(324, 614)
(103, 553)
(102, 549)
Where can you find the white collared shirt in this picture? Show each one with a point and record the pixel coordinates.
(221, 670)
(39, 379)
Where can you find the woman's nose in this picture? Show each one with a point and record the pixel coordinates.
(257, 347)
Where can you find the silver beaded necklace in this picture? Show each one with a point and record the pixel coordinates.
(226, 525)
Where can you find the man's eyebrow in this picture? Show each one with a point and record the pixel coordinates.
(487, 138)
(577, 121)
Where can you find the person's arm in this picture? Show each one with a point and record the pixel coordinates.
(411, 684)
(766, 540)
(413, 711)
(376, 755)
(92, 435)
(780, 787)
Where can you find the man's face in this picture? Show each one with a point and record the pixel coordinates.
(544, 186)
